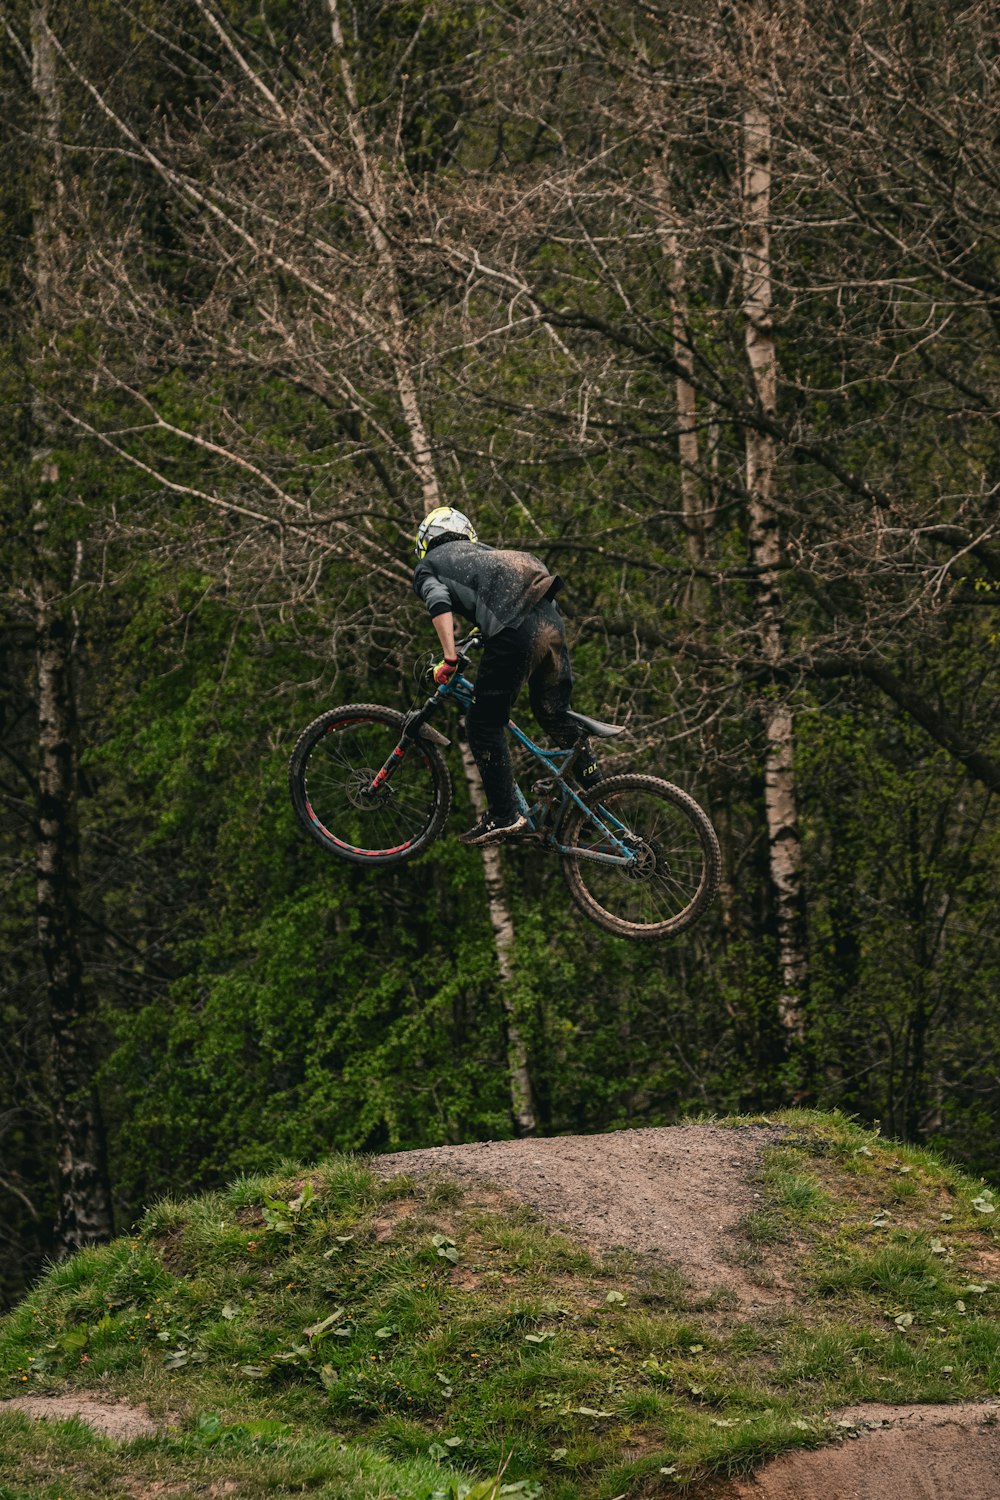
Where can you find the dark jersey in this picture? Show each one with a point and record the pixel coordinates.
(491, 587)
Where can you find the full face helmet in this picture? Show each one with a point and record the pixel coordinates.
(440, 521)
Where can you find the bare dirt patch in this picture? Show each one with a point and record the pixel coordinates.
(115, 1419)
(675, 1194)
(897, 1453)
(984, 1263)
(389, 1219)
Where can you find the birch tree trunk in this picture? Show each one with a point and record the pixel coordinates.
(373, 205)
(781, 809)
(522, 1102)
(85, 1211)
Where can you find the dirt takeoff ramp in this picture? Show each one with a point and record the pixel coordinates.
(898, 1453)
(674, 1193)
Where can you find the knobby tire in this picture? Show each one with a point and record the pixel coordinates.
(680, 849)
(326, 774)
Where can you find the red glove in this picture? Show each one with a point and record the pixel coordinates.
(445, 670)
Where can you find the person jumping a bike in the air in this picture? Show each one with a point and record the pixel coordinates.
(510, 597)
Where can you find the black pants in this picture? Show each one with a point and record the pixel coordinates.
(534, 650)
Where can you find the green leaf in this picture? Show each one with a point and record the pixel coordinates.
(484, 1489)
(263, 1427)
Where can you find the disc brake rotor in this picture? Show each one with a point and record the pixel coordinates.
(360, 794)
(643, 863)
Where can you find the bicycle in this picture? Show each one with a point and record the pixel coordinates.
(371, 785)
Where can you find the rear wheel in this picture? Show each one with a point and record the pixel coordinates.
(330, 774)
(675, 870)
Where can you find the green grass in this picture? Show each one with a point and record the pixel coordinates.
(323, 1329)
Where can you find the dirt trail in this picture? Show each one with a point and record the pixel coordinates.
(115, 1419)
(674, 1193)
(677, 1194)
(898, 1453)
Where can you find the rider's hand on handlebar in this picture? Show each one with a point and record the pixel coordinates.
(445, 670)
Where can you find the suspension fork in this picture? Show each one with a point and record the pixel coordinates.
(415, 728)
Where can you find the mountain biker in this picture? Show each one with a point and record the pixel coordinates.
(510, 596)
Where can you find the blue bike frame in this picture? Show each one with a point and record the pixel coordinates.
(462, 691)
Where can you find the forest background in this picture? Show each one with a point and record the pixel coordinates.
(699, 303)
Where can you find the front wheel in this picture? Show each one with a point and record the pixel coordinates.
(674, 872)
(330, 774)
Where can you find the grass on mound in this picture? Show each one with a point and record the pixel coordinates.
(325, 1330)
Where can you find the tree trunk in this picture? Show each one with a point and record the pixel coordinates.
(85, 1212)
(374, 213)
(780, 802)
(522, 1103)
(374, 207)
(692, 492)
(696, 515)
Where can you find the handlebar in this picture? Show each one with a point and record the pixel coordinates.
(424, 665)
(472, 642)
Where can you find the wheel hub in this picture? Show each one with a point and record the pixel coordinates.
(643, 863)
(360, 793)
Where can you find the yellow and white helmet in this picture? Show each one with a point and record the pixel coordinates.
(440, 521)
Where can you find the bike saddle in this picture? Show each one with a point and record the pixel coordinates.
(595, 727)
